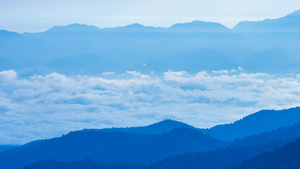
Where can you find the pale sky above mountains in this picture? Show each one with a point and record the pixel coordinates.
(40, 15)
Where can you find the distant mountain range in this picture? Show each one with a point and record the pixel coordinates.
(167, 144)
(289, 23)
(270, 45)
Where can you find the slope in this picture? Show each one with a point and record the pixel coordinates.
(110, 147)
(286, 157)
(156, 128)
(256, 123)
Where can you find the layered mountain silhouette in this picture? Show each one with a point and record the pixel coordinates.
(191, 47)
(283, 133)
(161, 127)
(285, 157)
(110, 147)
(237, 151)
(256, 123)
(199, 26)
(7, 147)
(289, 23)
(166, 144)
(83, 164)
(217, 159)
(268, 156)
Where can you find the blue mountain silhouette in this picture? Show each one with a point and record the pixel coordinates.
(289, 23)
(110, 147)
(73, 28)
(262, 121)
(199, 26)
(192, 47)
(285, 157)
(238, 151)
(164, 139)
(156, 128)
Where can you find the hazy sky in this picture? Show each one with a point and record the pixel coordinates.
(39, 15)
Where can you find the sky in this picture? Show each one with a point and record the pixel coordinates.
(40, 107)
(40, 15)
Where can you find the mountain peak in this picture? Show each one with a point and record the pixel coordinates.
(156, 128)
(200, 26)
(8, 33)
(170, 123)
(135, 25)
(75, 27)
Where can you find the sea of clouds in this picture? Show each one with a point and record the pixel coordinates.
(39, 107)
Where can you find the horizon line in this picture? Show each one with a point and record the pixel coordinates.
(147, 26)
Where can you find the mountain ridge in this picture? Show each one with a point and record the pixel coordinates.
(156, 128)
(264, 120)
(284, 157)
(288, 23)
(110, 147)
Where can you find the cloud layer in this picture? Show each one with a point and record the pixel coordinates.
(47, 106)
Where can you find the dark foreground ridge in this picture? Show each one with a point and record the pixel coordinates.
(286, 157)
(164, 145)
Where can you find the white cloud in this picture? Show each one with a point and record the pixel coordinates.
(137, 74)
(47, 106)
(108, 73)
(221, 71)
(10, 74)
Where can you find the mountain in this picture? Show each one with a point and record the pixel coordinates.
(289, 23)
(235, 153)
(129, 47)
(7, 34)
(110, 147)
(84, 64)
(238, 151)
(283, 133)
(135, 27)
(285, 157)
(217, 159)
(199, 59)
(268, 59)
(7, 147)
(262, 121)
(84, 164)
(24, 54)
(73, 28)
(264, 46)
(164, 145)
(156, 128)
(199, 26)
